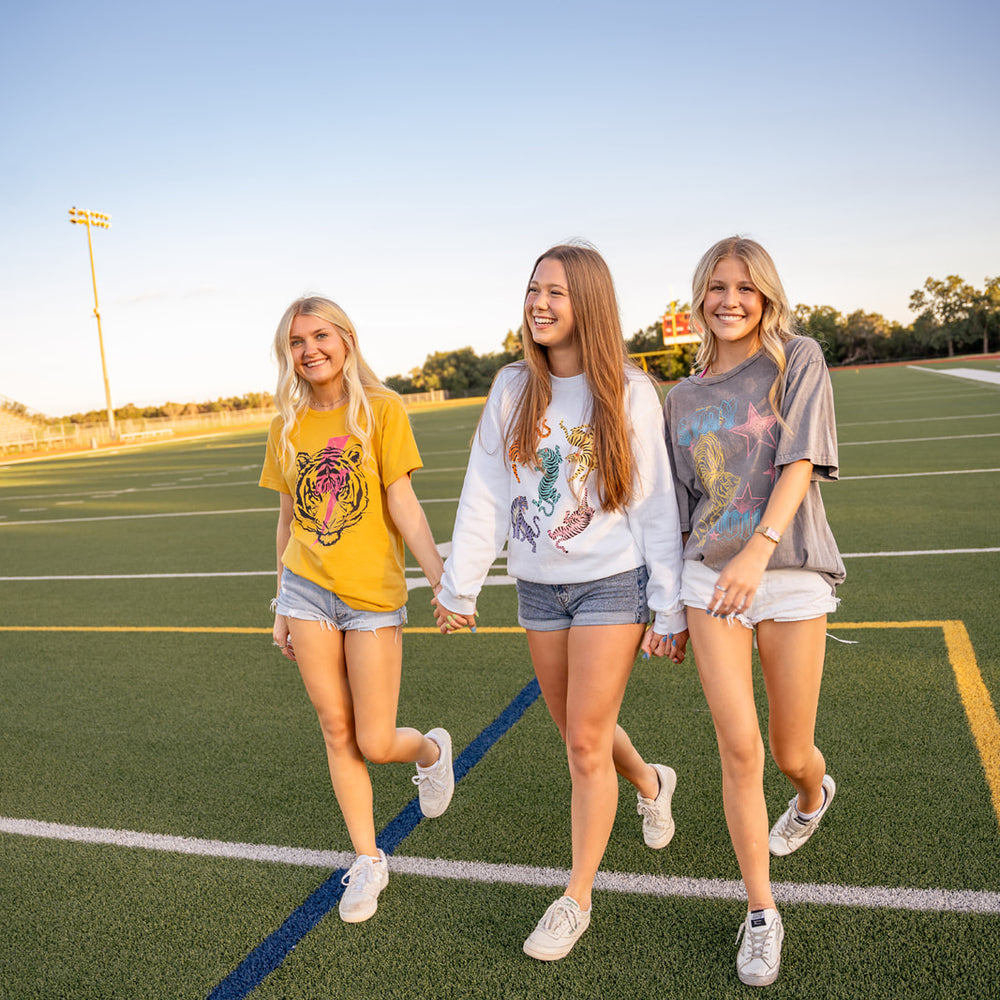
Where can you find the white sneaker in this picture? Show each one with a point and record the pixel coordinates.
(365, 879)
(436, 784)
(790, 832)
(759, 957)
(657, 823)
(558, 930)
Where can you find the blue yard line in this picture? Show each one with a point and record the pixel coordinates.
(274, 949)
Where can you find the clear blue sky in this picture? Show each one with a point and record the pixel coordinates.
(411, 161)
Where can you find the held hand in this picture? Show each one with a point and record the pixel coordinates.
(670, 645)
(281, 637)
(678, 648)
(739, 580)
(450, 621)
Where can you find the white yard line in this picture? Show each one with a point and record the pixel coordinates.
(973, 374)
(417, 581)
(871, 897)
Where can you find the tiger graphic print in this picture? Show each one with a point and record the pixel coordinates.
(574, 523)
(581, 438)
(709, 463)
(520, 529)
(549, 460)
(330, 494)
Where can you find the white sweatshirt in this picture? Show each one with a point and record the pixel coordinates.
(550, 515)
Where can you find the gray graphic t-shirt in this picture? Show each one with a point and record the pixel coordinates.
(727, 448)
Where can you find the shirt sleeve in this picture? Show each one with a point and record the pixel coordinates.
(398, 454)
(272, 475)
(681, 465)
(482, 520)
(652, 514)
(807, 410)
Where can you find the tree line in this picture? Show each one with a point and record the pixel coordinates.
(249, 401)
(953, 317)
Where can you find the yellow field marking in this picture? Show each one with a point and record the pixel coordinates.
(976, 700)
(975, 696)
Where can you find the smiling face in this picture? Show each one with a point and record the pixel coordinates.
(733, 306)
(318, 354)
(547, 308)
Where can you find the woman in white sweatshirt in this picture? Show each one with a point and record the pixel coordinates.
(569, 468)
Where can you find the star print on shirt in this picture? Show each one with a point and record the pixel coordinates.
(756, 428)
(746, 502)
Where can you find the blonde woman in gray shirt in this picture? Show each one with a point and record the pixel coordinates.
(751, 434)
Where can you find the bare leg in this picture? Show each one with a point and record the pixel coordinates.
(723, 655)
(356, 704)
(628, 761)
(583, 673)
(791, 656)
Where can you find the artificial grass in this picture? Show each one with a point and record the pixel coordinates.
(212, 736)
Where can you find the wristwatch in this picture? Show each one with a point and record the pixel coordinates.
(769, 533)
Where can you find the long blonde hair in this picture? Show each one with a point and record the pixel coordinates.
(777, 322)
(597, 328)
(293, 394)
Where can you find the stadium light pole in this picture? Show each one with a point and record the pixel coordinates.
(88, 219)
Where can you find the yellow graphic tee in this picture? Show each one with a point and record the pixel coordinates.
(342, 536)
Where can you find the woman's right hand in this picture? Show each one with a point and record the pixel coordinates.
(281, 637)
(450, 621)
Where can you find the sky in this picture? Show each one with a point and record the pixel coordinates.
(411, 161)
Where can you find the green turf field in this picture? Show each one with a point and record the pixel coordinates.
(167, 828)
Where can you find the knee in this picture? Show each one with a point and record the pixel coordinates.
(376, 745)
(743, 760)
(793, 762)
(338, 734)
(587, 755)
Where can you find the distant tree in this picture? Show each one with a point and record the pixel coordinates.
(826, 325)
(866, 336)
(949, 302)
(987, 309)
(513, 343)
(402, 384)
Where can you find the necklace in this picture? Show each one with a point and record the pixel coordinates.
(327, 406)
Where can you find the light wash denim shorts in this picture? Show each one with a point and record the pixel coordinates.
(307, 601)
(784, 595)
(613, 600)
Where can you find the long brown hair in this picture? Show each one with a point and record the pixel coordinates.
(597, 328)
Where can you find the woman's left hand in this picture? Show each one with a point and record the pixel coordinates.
(739, 580)
(673, 644)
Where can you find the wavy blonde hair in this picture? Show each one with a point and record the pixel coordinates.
(294, 394)
(597, 327)
(777, 322)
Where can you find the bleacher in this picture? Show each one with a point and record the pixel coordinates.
(19, 426)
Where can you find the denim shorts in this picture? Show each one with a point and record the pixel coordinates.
(307, 601)
(614, 600)
(784, 595)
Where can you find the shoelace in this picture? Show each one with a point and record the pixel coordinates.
(757, 936)
(791, 826)
(363, 870)
(563, 913)
(430, 776)
(647, 809)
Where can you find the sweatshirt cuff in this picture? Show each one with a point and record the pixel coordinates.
(460, 605)
(670, 623)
